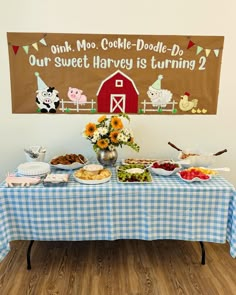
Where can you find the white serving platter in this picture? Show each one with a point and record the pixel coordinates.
(33, 168)
(140, 161)
(133, 170)
(195, 179)
(73, 166)
(84, 181)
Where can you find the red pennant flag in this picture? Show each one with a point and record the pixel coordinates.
(15, 48)
(190, 44)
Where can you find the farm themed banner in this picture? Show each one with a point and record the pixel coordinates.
(99, 73)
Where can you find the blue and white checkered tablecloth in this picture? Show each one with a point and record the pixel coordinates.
(168, 208)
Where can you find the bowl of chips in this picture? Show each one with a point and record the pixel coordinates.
(89, 177)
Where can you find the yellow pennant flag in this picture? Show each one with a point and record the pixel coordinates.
(35, 45)
(207, 52)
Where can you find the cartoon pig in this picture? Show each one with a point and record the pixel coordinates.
(76, 95)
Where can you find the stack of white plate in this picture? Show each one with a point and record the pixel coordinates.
(33, 168)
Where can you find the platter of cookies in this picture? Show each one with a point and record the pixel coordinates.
(90, 174)
(69, 161)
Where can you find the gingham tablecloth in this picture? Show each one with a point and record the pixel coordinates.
(168, 208)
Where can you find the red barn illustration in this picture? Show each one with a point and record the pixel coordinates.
(117, 94)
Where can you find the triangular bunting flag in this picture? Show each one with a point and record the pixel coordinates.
(35, 45)
(15, 48)
(43, 41)
(190, 44)
(216, 51)
(26, 49)
(199, 49)
(207, 52)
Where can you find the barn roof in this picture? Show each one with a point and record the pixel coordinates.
(109, 77)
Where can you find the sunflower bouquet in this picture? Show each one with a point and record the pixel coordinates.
(109, 133)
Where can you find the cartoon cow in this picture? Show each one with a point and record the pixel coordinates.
(47, 98)
(76, 95)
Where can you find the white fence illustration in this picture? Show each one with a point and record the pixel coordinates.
(158, 108)
(76, 106)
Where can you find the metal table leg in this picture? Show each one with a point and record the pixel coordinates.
(203, 253)
(28, 254)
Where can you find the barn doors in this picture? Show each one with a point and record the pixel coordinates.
(117, 103)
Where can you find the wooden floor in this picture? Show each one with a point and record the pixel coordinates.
(118, 268)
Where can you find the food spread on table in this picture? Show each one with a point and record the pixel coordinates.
(133, 173)
(131, 170)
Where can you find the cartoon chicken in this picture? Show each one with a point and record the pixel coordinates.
(185, 104)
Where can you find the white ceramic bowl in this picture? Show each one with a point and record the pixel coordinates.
(201, 160)
(93, 168)
(194, 179)
(40, 158)
(163, 172)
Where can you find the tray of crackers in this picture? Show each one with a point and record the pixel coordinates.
(69, 161)
(140, 161)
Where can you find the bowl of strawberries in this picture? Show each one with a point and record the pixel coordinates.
(165, 167)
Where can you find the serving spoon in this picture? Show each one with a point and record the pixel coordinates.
(220, 169)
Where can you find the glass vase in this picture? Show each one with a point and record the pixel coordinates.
(107, 157)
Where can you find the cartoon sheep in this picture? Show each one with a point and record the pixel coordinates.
(159, 97)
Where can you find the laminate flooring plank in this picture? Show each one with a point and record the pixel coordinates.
(122, 267)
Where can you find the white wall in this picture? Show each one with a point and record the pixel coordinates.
(62, 133)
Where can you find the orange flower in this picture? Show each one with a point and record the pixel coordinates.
(90, 128)
(116, 123)
(102, 144)
(113, 136)
(102, 118)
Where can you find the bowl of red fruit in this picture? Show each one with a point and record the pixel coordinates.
(192, 174)
(165, 168)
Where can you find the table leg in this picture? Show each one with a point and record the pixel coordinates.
(203, 253)
(28, 254)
